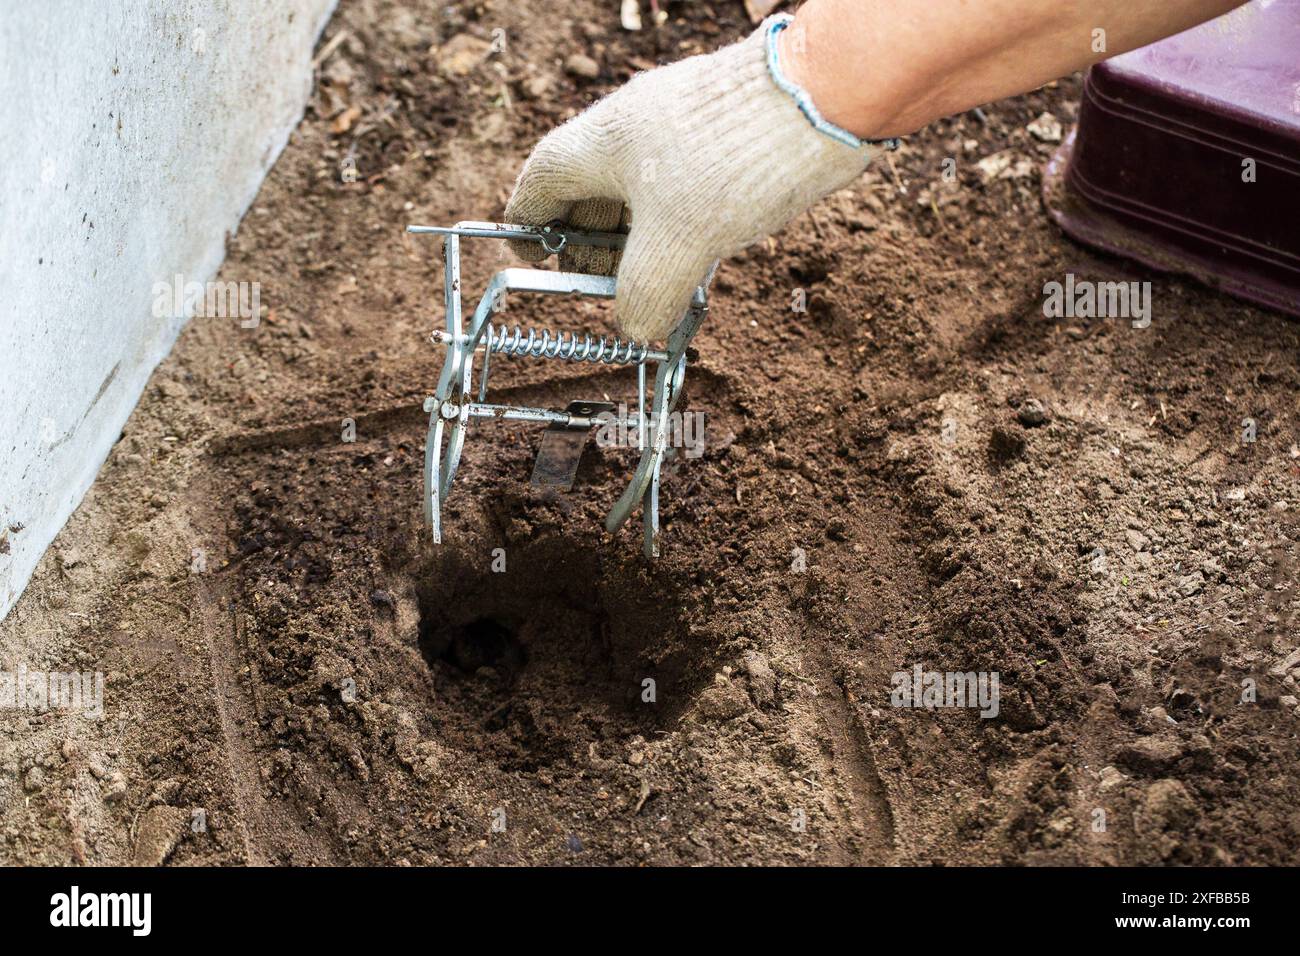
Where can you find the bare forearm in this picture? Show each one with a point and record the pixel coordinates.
(883, 68)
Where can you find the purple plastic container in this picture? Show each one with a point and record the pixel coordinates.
(1186, 156)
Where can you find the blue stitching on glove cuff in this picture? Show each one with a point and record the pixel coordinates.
(774, 26)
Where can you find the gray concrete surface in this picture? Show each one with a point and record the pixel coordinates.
(133, 137)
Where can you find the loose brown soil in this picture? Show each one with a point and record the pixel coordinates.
(286, 652)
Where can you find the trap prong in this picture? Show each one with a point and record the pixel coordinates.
(450, 408)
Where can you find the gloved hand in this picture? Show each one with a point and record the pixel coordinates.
(709, 155)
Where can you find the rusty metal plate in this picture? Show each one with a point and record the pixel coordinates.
(561, 449)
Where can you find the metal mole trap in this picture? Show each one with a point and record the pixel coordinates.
(456, 401)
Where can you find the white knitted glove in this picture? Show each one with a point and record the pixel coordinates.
(709, 154)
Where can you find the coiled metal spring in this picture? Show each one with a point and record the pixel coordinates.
(564, 345)
(561, 345)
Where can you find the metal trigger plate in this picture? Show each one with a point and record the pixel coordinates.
(561, 448)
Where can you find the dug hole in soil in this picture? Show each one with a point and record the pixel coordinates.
(296, 675)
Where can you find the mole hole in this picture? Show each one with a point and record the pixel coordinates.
(482, 642)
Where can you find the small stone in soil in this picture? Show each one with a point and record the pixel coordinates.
(1032, 413)
(581, 65)
(1047, 128)
(1136, 540)
(1111, 778)
(462, 53)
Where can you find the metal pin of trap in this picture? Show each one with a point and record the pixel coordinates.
(456, 401)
